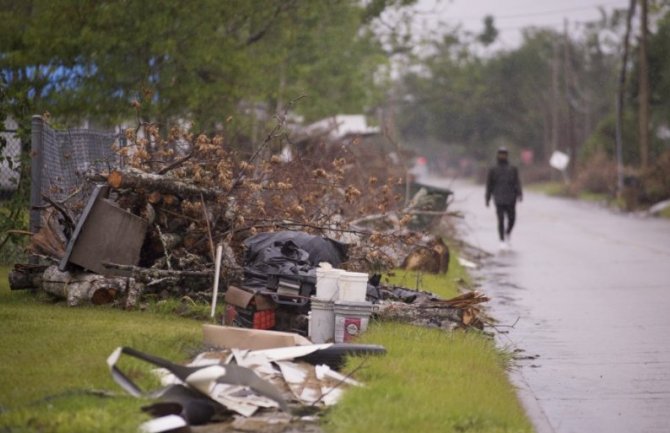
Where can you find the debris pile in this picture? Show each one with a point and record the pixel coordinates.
(158, 220)
(249, 377)
(425, 309)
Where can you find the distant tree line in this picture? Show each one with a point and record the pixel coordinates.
(556, 91)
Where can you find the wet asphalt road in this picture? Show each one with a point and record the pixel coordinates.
(591, 291)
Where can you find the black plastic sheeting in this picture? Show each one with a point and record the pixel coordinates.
(289, 254)
(319, 249)
(335, 355)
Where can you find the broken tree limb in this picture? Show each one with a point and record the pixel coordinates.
(150, 182)
(209, 228)
(175, 280)
(176, 163)
(80, 288)
(408, 313)
(149, 274)
(63, 211)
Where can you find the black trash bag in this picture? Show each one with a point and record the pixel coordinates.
(280, 258)
(288, 254)
(320, 249)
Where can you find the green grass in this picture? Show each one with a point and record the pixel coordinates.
(594, 197)
(53, 355)
(446, 286)
(665, 213)
(430, 380)
(560, 189)
(554, 189)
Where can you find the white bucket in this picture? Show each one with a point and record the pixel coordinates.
(351, 319)
(353, 287)
(321, 327)
(326, 282)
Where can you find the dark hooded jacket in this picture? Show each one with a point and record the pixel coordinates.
(503, 184)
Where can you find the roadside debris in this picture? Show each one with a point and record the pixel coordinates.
(227, 383)
(80, 288)
(161, 216)
(425, 309)
(467, 263)
(293, 248)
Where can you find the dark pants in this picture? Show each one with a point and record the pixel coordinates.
(503, 210)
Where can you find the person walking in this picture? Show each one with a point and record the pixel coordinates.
(503, 184)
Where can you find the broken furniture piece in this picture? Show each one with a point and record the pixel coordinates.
(105, 233)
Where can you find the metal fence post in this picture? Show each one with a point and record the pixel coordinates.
(36, 168)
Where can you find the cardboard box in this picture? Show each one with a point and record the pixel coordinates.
(227, 337)
(244, 298)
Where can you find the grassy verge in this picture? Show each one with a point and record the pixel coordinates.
(446, 286)
(554, 189)
(430, 380)
(559, 189)
(594, 197)
(53, 356)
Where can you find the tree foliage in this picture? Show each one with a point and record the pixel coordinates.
(188, 60)
(554, 91)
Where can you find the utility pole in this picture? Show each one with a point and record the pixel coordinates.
(620, 98)
(567, 73)
(555, 105)
(644, 88)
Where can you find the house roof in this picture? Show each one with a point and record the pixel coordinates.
(342, 125)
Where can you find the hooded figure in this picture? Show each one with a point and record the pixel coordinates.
(503, 184)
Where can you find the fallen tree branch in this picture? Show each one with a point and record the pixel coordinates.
(175, 164)
(149, 274)
(135, 179)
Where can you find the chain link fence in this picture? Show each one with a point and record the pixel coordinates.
(10, 160)
(11, 250)
(60, 160)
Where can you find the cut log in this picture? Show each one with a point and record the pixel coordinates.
(153, 198)
(149, 274)
(401, 312)
(153, 277)
(24, 277)
(151, 183)
(433, 314)
(80, 288)
(433, 258)
(133, 296)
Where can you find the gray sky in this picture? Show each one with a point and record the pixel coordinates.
(510, 15)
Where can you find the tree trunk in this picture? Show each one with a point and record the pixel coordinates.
(150, 182)
(24, 277)
(80, 288)
(644, 89)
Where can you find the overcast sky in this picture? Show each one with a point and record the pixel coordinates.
(510, 15)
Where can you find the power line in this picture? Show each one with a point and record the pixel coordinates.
(541, 25)
(542, 13)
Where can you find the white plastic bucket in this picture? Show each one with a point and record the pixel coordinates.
(321, 321)
(327, 283)
(353, 287)
(351, 319)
